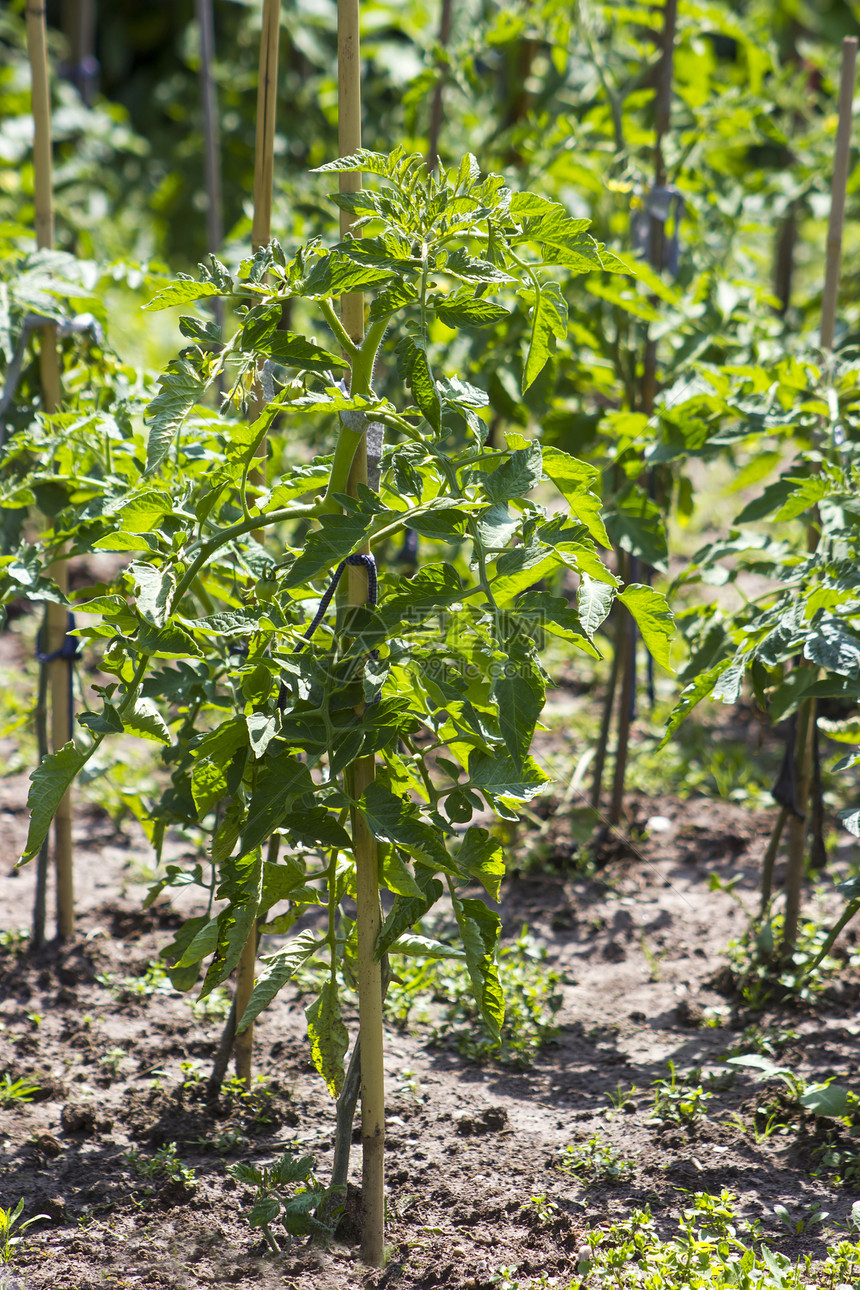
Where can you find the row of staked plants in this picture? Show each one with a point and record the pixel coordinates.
(491, 311)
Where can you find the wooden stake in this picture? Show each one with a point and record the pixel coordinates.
(211, 132)
(264, 171)
(435, 125)
(837, 192)
(56, 619)
(806, 712)
(363, 770)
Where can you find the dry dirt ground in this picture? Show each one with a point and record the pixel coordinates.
(642, 943)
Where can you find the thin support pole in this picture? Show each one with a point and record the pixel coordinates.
(798, 825)
(362, 772)
(841, 163)
(56, 621)
(211, 139)
(435, 126)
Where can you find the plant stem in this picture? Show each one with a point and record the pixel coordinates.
(767, 865)
(361, 773)
(60, 669)
(42, 864)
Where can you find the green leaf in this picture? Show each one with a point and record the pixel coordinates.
(834, 646)
(279, 781)
(593, 602)
(653, 617)
(408, 910)
(549, 323)
(144, 719)
(49, 782)
(462, 309)
(165, 642)
(328, 1036)
(325, 547)
(181, 387)
(483, 856)
(831, 1100)
(520, 698)
(153, 590)
(182, 292)
(395, 874)
(261, 730)
(242, 887)
(264, 1211)
(334, 274)
(573, 479)
(479, 932)
(278, 970)
(394, 819)
(515, 477)
(413, 365)
(691, 696)
(501, 776)
(295, 351)
(425, 947)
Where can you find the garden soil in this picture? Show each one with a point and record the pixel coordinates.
(473, 1152)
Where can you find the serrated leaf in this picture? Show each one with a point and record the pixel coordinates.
(593, 603)
(465, 310)
(279, 782)
(503, 777)
(408, 910)
(479, 933)
(181, 387)
(261, 730)
(325, 547)
(549, 323)
(413, 365)
(144, 719)
(573, 479)
(295, 351)
(425, 947)
(515, 477)
(264, 1211)
(182, 292)
(692, 695)
(483, 856)
(397, 820)
(520, 698)
(242, 886)
(395, 874)
(48, 785)
(328, 1036)
(278, 970)
(652, 615)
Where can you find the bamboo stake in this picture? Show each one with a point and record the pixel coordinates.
(211, 131)
(56, 618)
(838, 188)
(264, 170)
(435, 126)
(625, 668)
(363, 770)
(797, 826)
(806, 712)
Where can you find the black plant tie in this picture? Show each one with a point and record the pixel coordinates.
(69, 650)
(360, 561)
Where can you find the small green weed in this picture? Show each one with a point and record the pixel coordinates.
(596, 1161)
(19, 1090)
(680, 1099)
(10, 1218)
(532, 993)
(762, 977)
(547, 1210)
(286, 1191)
(164, 1165)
